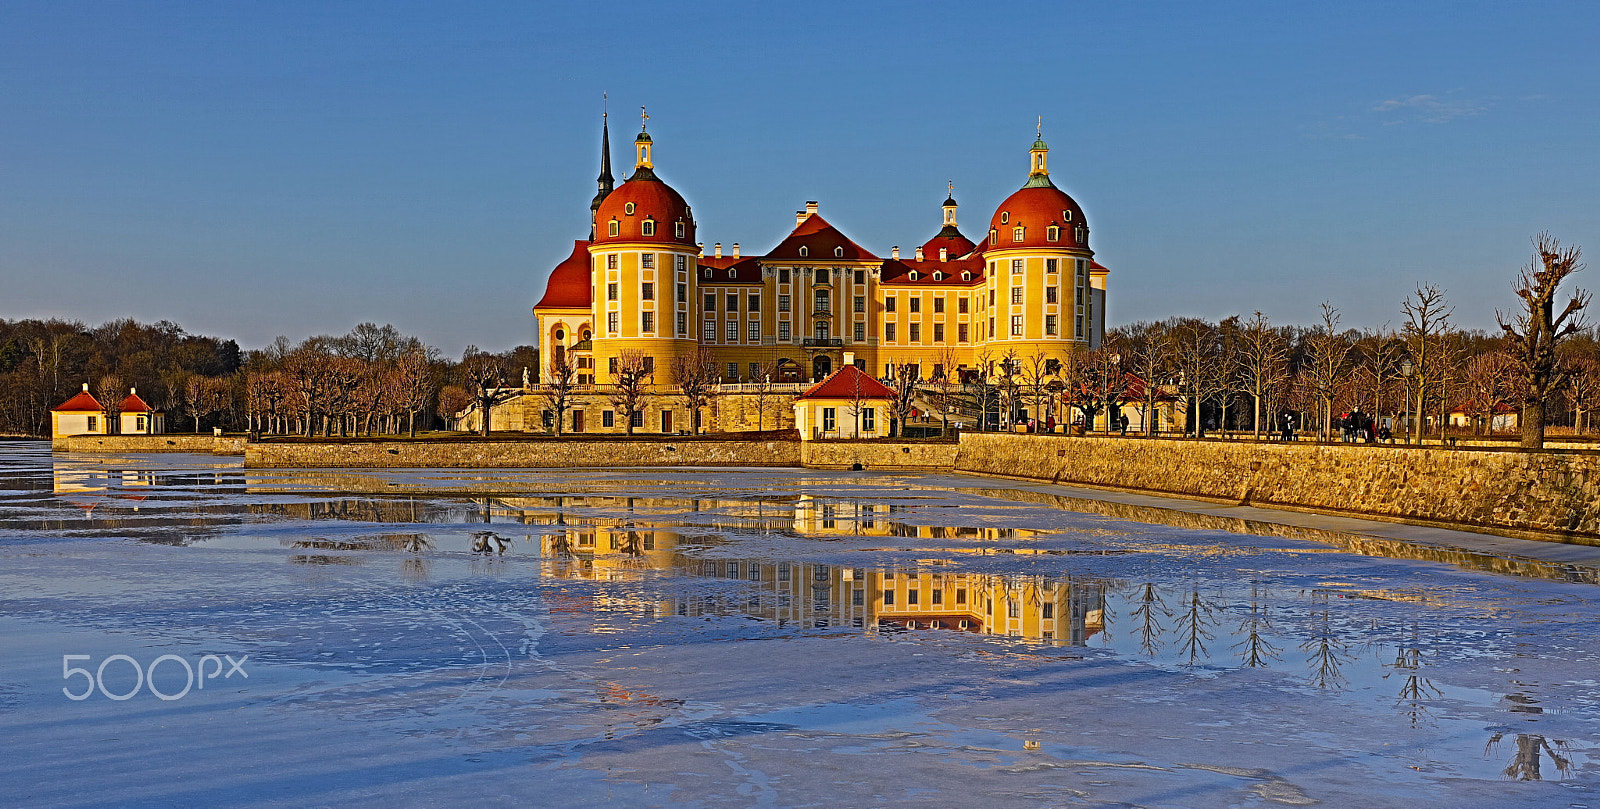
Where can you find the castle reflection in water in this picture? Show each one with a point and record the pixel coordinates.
(931, 594)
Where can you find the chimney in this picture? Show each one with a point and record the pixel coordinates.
(86, 387)
(894, 252)
(133, 391)
(735, 249)
(919, 254)
(944, 254)
(719, 250)
(849, 358)
(799, 216)
(702, 246)
(811, 207)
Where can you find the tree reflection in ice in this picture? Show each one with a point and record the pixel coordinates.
(1524, 764)
(1255, 650)
(1328, 652)
(1148, 616)
(1415, 689)
(1194, 627)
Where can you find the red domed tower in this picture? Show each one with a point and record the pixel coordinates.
(643, 261)
(1038, 296)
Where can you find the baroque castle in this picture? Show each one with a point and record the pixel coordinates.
(641, 284)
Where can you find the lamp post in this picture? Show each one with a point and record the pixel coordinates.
(1406, 369)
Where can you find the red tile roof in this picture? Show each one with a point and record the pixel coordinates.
(746, 270)
(569, 286)
(652, 199)
(1035, 209)
(844, 383)
(819, 238)
(81, 403)
(898, 271)
(133, 404)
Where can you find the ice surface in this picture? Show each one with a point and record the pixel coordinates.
(430, 637)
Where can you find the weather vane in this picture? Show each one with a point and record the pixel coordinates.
(1038, 131)
(644, 119)
(605, 105)
(950, 186)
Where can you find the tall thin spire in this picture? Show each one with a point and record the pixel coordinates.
(606, 181)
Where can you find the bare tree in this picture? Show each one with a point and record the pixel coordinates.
(484, 376)
(766, 377)
(1148, 356)
(1427, 320)
(1035, 376)
(1327, 359)
(630, 385)
(903, 381)
(414, 371)
(981, 389)
(1196, 347)
(1490, 382)
(1263, 362)
(559, 389)
(697, 381)
(110, 392)
(1537, 330)
(1382, 350)
(1096, 383)
(1583, 389)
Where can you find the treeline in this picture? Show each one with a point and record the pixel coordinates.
(373, 379)
(1244, 373)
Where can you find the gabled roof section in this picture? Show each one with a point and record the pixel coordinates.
(820, 239)
(134, 404)
(845, 383)
(897, 272)
(569, 286)
(746, 270)
(82, 403)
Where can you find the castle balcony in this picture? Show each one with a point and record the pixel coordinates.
(822, 342)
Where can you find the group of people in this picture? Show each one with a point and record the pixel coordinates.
(1357, 426)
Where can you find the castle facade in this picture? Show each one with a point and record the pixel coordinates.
(642, 286)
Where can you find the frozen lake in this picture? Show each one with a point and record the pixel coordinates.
(177, 630)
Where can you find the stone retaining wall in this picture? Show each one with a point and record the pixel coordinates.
(540, 454)
(1543, 494)
(168, 442)
(878, 455)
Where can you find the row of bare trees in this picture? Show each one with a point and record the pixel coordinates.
(1543, 365)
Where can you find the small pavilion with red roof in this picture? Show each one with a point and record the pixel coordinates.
(849, 403)
(84, 415)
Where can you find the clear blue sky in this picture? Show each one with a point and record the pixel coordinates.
(255, 169)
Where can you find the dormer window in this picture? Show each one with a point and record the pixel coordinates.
(913, 275)
(838, 252)
(966, 276)
(679, 230)
(611, 228)
(804, 251)
(1053, 233)
(994, 236)
(731, 274)
(1005, 216)
(708, 273)
(1082, 234)
(1066, 216)
(649, 227)
(628, 209)
(938, 276)
(1016, 234)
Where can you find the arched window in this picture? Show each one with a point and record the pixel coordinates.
(649, 227)
(1053, 233)
(838, 252)
(913, 275)
(680, 229)
(611, 228)
(938, 276)
(804, 251)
